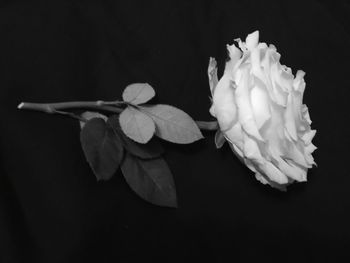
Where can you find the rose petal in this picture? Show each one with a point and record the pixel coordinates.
(212, 74)
(250, 165)
(305, 114)
(292, 171)
(273, 173)
(290, 119)
(297, 102)
(285, 78)
(260, 105)
(256, 67)
(279, 95)
(235, 135)
(266, 65)
(308, 136)
(301, 171)
(273, 132)
(262, 46)
(224, 103)
(237, 151)
(251, 149)
(241, 44)
(309, 159)
(310, 148)
(252, 40)
(299, 83)
(287, 135)
(245, 111)
(294, 154)
(261, 178)
(235, 55)
(212, 111)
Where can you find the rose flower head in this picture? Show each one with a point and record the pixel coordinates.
(258, 104)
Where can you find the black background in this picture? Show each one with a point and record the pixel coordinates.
(53, 210)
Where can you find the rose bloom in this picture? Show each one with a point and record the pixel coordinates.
(258, 105)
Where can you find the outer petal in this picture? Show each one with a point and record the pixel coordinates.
(251, 149)
(291, 170)
(261, 178)
(273, 173)
(308, 136)
(252, 40)
(309, 159)
(301, 171)
(250, 165)
(224, 105)
(299, 83)
(235, 135)
(266, 180)
(237, 152)
(305, 114)
(294, 154)
(212, 74)
(235, 55)
(310, 148)
(290, 118)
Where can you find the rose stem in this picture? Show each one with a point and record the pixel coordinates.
(55, 108)
(208, 125)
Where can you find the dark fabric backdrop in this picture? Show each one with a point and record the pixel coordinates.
(53, 210)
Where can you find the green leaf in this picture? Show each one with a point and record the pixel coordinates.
(89, 115)
(151, 149)
(138, 93)
(219, 139)
(151, 179)
(102, 147)
(173, 124)
(136, 125)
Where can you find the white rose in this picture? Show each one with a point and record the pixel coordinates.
(258, 105)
